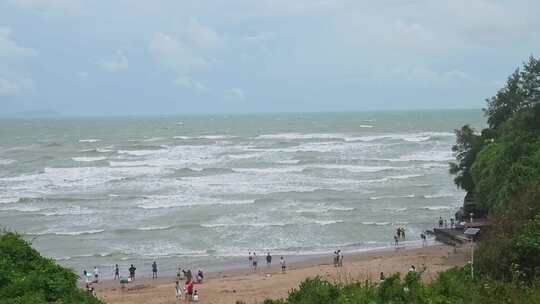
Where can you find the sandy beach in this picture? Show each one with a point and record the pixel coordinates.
(253, 287)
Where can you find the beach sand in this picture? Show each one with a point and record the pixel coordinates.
(250, 287)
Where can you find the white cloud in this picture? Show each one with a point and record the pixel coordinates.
(55, 6)
(9, 48)
(120, 63)
(17, 87)
(176, 55)
(234, 94)
(189, 83)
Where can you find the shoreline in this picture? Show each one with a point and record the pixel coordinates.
(243, 284)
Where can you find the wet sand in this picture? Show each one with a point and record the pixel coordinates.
(268, 282)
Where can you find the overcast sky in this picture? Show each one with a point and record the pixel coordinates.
(113, 57)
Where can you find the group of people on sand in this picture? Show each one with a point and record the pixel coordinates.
(253, 261)
(338, 258)
(188, 291)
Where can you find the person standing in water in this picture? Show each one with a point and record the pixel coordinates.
(283, 265)
(116, 272)
(255, 261)
(268, 260)
(96, 274)
(132, 272)
(250, 260)
(154, 270)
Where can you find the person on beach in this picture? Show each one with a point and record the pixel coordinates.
(250, 260)
(179, 274)
(440, 222)
(200, 277)
(179, 291)
(96, 274)
(255, 261)
(403, 232)
(424, 240)
(187, 275)
(268, 260)
(132, 272)
(382, 277)
(412, 269)
(452, 223)
(335, 258)
(396, 241)
(340, 258)
(283, 265)
(189, 294)
(445, 224)
(195, 296)
(154, 270)
(116, 272)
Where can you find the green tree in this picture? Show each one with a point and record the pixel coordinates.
(467, 146)
(508, 100)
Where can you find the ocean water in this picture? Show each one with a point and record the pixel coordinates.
(202, 191)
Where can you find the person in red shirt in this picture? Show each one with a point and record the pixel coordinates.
(190, 289)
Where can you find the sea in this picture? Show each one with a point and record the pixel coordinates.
(202, 191)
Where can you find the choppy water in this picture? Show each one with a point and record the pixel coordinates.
(202, 190)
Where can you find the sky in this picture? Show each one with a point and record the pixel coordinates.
(131, 57)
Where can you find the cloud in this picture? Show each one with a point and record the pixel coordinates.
(176, 55)
(50, 6)
(15, 87)
(9, 48)
(189, 83)
(186, 52)
(118, 64)
(234, 94)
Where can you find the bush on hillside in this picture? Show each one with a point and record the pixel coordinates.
(28, 278)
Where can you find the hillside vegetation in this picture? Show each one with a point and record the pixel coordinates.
(499, 167)
(28, 278)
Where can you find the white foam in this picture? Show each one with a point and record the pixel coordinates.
(366, 126)
(434, 155)
(22, 208)
(8, 200)
(173, 201)
(270, 170)
(4, 161)
(74, 210)
(88, 159)
(288, 161)
(138, 152)
(391, 196)
(376, 223)
(437, 195)
(435, 208)
(102, 150)
(292, 136)
(356, 168)
(84, 232)
(89, 140)
(151, 228)
(137, 163)
(410, 137)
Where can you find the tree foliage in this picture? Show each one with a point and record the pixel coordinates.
(467, 146)
(28, 278)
